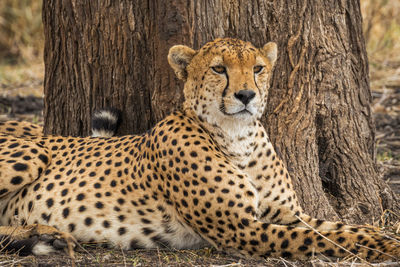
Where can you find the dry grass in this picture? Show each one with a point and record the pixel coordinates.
(21, 48)
(99, 256)
(381, 24)
(21, 30)
(21, 79)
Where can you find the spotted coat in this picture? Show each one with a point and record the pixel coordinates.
(207, 174)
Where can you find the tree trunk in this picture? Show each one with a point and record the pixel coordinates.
(113, 53)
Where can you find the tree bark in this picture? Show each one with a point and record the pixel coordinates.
(113, 53)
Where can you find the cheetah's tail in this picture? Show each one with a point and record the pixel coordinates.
(105, 122)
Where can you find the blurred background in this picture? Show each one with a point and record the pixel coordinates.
(21, 46)
(22, 70)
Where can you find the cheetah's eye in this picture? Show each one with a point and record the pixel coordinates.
(219, 69)
(258, 69)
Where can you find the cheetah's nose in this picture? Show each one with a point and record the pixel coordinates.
(245, 96)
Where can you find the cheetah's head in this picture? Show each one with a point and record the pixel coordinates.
(225, 80)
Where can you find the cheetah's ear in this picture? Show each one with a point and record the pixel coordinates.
(179, 57)
(270, 50)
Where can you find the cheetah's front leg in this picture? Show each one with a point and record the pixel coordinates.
(21, 163)
(277, 201)
(35, 239)
(230, 223)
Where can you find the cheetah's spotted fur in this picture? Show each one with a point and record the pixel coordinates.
(204, 175)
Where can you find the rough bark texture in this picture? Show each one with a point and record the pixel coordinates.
(113, 53)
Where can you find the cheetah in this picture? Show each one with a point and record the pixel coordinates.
(205, 175)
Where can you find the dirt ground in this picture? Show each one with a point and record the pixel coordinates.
(114, 257)
(107, 257)
(385, 85)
